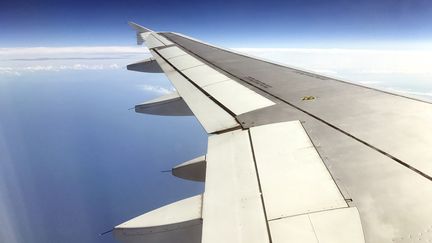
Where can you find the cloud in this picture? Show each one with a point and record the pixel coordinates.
(19, 61)
(377, 68)
(426, 94)
(155, 89)
(83, 52)
(326, 71)
(18, 71)
(327, 61)
(9, 71)
(359, 61)
(15, 61)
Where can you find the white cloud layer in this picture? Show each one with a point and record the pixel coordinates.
(69, 52)
(326, 61)
(19, 61)
(360, 60)
(403, 71)
(17, 71)
(388, 69)
(155, 89)
(411, 92)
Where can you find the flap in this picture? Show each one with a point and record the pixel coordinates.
(268, 184)
(293, 177)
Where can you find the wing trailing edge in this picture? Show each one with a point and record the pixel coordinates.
(263, 184)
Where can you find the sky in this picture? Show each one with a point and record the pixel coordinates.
(74, 161)
(318, 23)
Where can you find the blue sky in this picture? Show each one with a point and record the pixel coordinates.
(233, 23)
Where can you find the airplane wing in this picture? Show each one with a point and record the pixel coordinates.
(293, 156)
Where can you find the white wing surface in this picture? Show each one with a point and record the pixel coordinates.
(293, 156)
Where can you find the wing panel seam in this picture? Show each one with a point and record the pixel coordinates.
(307, 213)
(325, 165)
(198, 87)
(259, 185)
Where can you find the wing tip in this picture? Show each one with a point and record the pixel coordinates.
(139, 28)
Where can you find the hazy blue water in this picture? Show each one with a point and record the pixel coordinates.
(74, 162)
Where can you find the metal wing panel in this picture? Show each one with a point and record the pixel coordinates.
(209, 86)
(293, 177)
(235, 98)
(211, 116)
(171, 52)
(232, 208)
(393, 201)
(375, 144)
(382, 120)
(162, 39)
(152, 42)
(293, 229)
(185, 62)
(364, 136)
(345, 223)
(205, 75)
(334, 226)
(254, 183)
